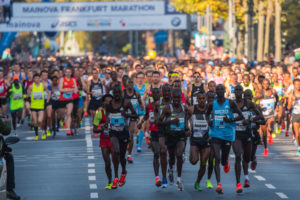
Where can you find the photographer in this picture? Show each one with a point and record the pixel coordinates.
(5, 129)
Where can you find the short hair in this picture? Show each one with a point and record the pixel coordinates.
(296, 80)
(140, 73)
(36, 74)
(156, 72)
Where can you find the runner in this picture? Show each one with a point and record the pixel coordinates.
(114, 81)
(67, 86)
(100, 125)
(175, 115)
(268, 104)
(195, 88)
(152, 115)
(294, 100)
(96, 91)
(243, 141)
(36, 93)
(26, 85)
(230, 87)
(16, 102)
(118, 132)
(3, 93)
(278, 87)
(135, 98)
(159, 106)
(222, 130)
(200, 145)
(48, 106)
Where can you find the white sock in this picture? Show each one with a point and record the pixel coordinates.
(179, 179)
(157, 177)
(247, 177)
(129, 156)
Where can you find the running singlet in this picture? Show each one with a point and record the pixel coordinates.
(268, 106)
(117, 122)
(195, 91)
(179, 115)
(199, 123)
(49, 88)
(76, 95)
(3, 89)
(246, 113)
(67, 96)
(55, 95)
(152, 126)
(249, 87)
(221, 129)
(97, 89)
(16, 98)
(280, 91)
(142, 92)
(133, 99)
(37, 97)
(296, 106)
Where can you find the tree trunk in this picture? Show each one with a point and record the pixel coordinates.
(246, 33)
(267, 33)
(260, 40)
(277, 31)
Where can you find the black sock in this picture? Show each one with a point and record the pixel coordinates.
(36, 130)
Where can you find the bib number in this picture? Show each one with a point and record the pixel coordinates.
(17, 96)
(179, 127)
(67, 95)
(37, 95)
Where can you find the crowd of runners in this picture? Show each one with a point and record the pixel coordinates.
(212, 105)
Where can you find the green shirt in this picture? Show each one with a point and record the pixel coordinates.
(98, 117)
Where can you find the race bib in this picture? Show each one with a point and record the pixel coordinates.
(116, 119)
(1, 89)
(37, 95)
(67, 95)
(200, 128)
(179, 127)
(97, 93)
(195, 102)
(151, 116)
(134, 103)
(219, 121)
(17, 96)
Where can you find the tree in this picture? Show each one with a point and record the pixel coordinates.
(267, 33)
(260, 39)
(277, 33)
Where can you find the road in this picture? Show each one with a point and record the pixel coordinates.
(71, 168)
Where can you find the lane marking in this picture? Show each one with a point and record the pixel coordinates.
(91, 165)
(94, 195)
(91, 171)
(91, 157)
(281, 195)
(92, 178)
(93, 186)
(260, 178)
(270, 186)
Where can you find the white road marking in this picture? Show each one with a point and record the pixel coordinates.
(91, 171)
(93, 186)
(91, 157)
(252, 171)
(260, 178)
(270, 186)
(94, 195)
(281, 195)
(91, 165)
(92, 178)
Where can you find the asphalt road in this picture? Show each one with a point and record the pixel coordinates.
(71, 168)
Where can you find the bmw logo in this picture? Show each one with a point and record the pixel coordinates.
(176, 21)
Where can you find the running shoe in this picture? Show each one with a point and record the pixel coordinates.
(64, 125)
(227, 167)
(266, 153)
(86, 114)
(129, 159)
(12, 195)
(219, 189)
(164, 183)
(209, 185)
(179, 185)
(158, 182)
(115, 184)
(278, 130)
(147, 139)
(48, 132)
(43, 136)
(36, 138)
(246, 183)
(287, 134)
(139, 149)
(122, 180)
(295, 142)
(68, 132)
(171, 176)
(298, 152)
(239, 188)
(109, 186)
(270, 139)
(253, 165)
(197, 187)
(95, 134)
(274, 135)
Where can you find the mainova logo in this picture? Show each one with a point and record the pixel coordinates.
(123, 24)
(176, 21)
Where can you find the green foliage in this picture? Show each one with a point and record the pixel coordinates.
(291, 21)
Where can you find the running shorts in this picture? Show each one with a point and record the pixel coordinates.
(94, 105)
(3, 102)
(105, 141)
(245, 137)
(172, 138)
(123, 136)
(201, 143)
(295, 118)
(154, 136)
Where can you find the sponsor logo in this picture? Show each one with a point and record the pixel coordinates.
(176, 21)
(59, 24)
(123, 24)
(99, 23)
(20, 24)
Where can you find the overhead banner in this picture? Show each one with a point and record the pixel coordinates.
(79, 23)
(89, 9)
